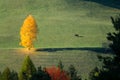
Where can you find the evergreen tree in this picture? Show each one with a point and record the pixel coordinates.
(28, 69)
(14, 75)
(6, 74)
(114, 37)
(109, 71)
(41, 75)
(111, 66)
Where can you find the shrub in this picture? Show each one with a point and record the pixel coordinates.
(57, 74)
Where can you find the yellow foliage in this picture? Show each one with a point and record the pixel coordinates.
(28, 32)
(96, 74)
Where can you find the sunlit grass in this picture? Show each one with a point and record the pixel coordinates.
(58, 22)
(26, 51)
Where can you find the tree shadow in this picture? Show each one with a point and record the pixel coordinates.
(97, 49)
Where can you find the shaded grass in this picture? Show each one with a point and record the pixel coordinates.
(83, 60)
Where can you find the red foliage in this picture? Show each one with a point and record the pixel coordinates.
(57, 74)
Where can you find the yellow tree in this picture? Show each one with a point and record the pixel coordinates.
(28, 32)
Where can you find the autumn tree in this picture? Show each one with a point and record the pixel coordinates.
(28, 69)
(57, 74)
(28, 32)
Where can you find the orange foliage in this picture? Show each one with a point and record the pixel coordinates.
(28, 32)
(57, 74)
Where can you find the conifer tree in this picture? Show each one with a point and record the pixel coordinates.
(41, 75)
(14, 75)
(28, 69)
(111, 66)
(114, 37)
(8, 75)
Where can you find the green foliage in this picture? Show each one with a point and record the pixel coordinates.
(73, 73)
(109, 71)
(94, 74)
(114, 37)
(41, 75)
(28, 69)
(14, 75)
(8, 75)
(111, 68)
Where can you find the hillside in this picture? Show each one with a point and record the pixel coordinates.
(110, 3)
(69, 30)
(58, 22)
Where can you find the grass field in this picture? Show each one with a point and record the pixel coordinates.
(83, 60)
(58, 21)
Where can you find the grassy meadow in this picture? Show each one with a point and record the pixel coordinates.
(58, 21)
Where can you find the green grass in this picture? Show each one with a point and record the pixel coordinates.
(58, 22)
